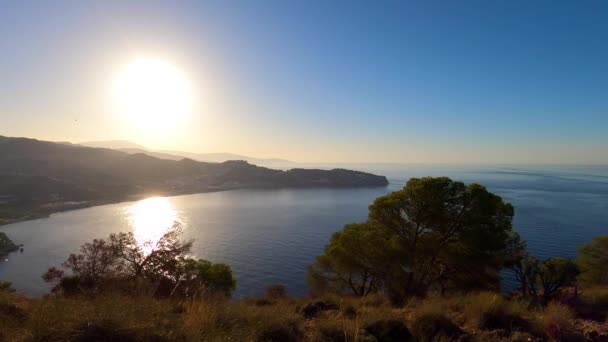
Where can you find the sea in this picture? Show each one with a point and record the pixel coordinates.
(272, 236)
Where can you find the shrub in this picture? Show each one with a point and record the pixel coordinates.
(491, 311)
(276, 291)
(110, 331)
(430, 323)
(6, 286)
(592, 259)
(349, 312)
(389, 331)
(281, 332)
(263, 302)
(593, 304)
(12, 311)
(313, 309)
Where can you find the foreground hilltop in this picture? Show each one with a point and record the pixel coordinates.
(40, 177)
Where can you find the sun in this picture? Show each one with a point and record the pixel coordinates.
(151, 94)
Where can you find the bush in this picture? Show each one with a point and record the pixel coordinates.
(6, 286)
(593, 304)
(430, 323)
(109, 331)
(491, 311)
(389, 331)
(313, 309)
(592, 260)
(12, 311)
(332, 332)
(276, 291)
(288, 332)
(349, 312)
(263, 302)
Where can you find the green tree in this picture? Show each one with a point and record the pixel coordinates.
(201, 275)
(554, 274)
(352, 261)
(434, 233)
(592, 259)
(443, 234)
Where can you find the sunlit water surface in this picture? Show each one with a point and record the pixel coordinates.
(271, 236)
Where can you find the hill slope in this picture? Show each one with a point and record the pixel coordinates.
(38, 177)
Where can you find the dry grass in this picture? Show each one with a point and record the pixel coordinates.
(481, 317)
(557, 321)
(430, 320)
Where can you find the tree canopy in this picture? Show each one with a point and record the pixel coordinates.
(592, 260)
(123, 263)
(434, 233)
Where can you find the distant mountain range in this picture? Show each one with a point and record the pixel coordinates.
(132, 148)
(41, 177)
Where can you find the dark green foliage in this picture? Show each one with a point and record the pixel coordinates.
(194, 275)
(434, 233)
(444, 234)
(352, 261)
(389, 331)
(592, 259)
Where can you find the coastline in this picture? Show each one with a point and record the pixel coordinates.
(131, 198)
(90, 204)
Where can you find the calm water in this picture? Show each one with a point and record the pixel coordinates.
(271, 236)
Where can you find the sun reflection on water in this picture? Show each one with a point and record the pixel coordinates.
(150, 219)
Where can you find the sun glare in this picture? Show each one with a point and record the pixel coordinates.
(150, 219)
(151, 94)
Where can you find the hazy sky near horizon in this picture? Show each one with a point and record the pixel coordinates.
(322, 81)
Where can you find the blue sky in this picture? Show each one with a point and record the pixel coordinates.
(348, 81)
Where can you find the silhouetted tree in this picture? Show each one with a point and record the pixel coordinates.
(524, 266)
(554, 274)
(151, 259)
(121, 262)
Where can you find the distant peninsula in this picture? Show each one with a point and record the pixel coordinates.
(38, 178)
